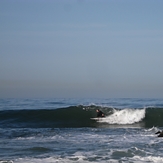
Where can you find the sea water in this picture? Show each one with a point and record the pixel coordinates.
(62, 131)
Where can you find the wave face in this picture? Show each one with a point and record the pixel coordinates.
(80, 116)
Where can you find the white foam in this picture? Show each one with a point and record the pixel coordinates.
(148, 159)
(80, 158)
(35, 160)
(125, 116)
(152, 129)
(6, 161)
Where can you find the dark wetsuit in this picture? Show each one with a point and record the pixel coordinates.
(100, 114)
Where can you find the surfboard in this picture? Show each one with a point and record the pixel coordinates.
(96, 119)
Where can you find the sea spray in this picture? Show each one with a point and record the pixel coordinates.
(125, 116)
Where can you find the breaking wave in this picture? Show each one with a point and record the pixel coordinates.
(80, 116)
(125, 116)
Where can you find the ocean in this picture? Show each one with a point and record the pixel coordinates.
(62, 131)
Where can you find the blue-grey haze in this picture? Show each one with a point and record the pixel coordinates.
(79, 48)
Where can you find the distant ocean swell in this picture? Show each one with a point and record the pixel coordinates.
(79, 116)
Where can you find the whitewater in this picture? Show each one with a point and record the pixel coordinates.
(125, 116)
(62, 130)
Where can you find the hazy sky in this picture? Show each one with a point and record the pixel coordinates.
(81, 48)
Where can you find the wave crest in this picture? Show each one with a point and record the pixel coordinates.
(81, 116)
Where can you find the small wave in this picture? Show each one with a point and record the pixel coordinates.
(6, 161)
(39, 149)
(148, 159)
(80, 157)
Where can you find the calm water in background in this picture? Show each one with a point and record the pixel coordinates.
(60, 130)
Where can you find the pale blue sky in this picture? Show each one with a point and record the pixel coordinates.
(81, 48)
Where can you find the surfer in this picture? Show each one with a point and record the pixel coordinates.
(100, 113)
(160, 133)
